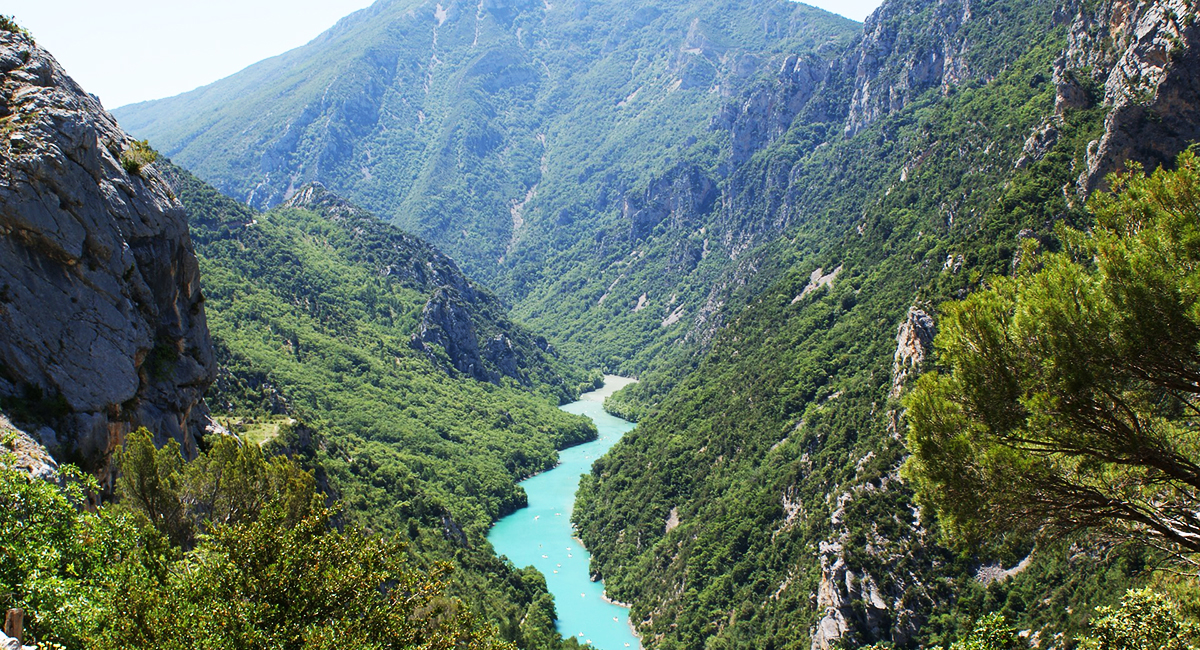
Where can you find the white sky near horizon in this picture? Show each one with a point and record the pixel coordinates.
(176, 46)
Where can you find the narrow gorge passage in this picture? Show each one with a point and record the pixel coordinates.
(541, 534)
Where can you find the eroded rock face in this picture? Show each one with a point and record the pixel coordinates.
(102, 325)
(446, 322)
(681, 195)
(1148, 54)
(914, 339)
(27, 454)
(890, 68)
(769, 110)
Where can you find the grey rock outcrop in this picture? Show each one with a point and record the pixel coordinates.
(680, 195)
(462, 326)
(769, 110)
(9, 643)
(102, 325)
(891, 66)
(914, 339)
(28, 455)
(1146, 56)
(447, 323)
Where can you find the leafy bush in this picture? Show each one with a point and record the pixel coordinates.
(137, 155)
(9, 24)
(1145, 620)
(1069, 398)
(269, 571)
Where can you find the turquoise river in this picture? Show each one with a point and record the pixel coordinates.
(541, 534)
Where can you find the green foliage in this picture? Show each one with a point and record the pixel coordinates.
(270, 570)
(990, 633)
(47, 547)
(1070, 392)
(230, 484)
(9, 24)
(313, 312)
(137, 155)
(1145, 620)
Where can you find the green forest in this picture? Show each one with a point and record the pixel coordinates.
(913, 307)
(313, 312)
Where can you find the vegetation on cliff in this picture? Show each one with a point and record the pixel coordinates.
(1069, 397)
(268, 570)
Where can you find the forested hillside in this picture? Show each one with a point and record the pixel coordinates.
(761, 503)
(543, 146)
(400, 382)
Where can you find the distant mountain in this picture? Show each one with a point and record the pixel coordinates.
(465, 121)
(526, 139)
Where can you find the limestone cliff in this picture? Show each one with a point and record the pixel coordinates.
(895, 63)
(102, 325)
(1145, 56)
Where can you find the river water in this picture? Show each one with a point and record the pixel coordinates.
(541, 534)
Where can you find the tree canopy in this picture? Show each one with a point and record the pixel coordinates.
(231, 550)
(1070, 394)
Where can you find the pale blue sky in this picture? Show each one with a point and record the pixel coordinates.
(128, 51)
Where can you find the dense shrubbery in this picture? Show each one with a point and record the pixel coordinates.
(325, 313)
(269, 570)
(1070, 394)
(1144, 620)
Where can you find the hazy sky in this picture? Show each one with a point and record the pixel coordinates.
(128, 51)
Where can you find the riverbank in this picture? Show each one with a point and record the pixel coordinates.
(612, 384)
(541, 534)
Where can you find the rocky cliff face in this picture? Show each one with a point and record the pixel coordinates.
(891, 66)
(102, 325)
(768, 111)
(467, 323)
(28, 456)
(1145, 56)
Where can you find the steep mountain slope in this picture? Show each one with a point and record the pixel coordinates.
(539, 144)
(102, 323)
(761, 503)
(451, 120)
(681, 259)
(420, 404)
